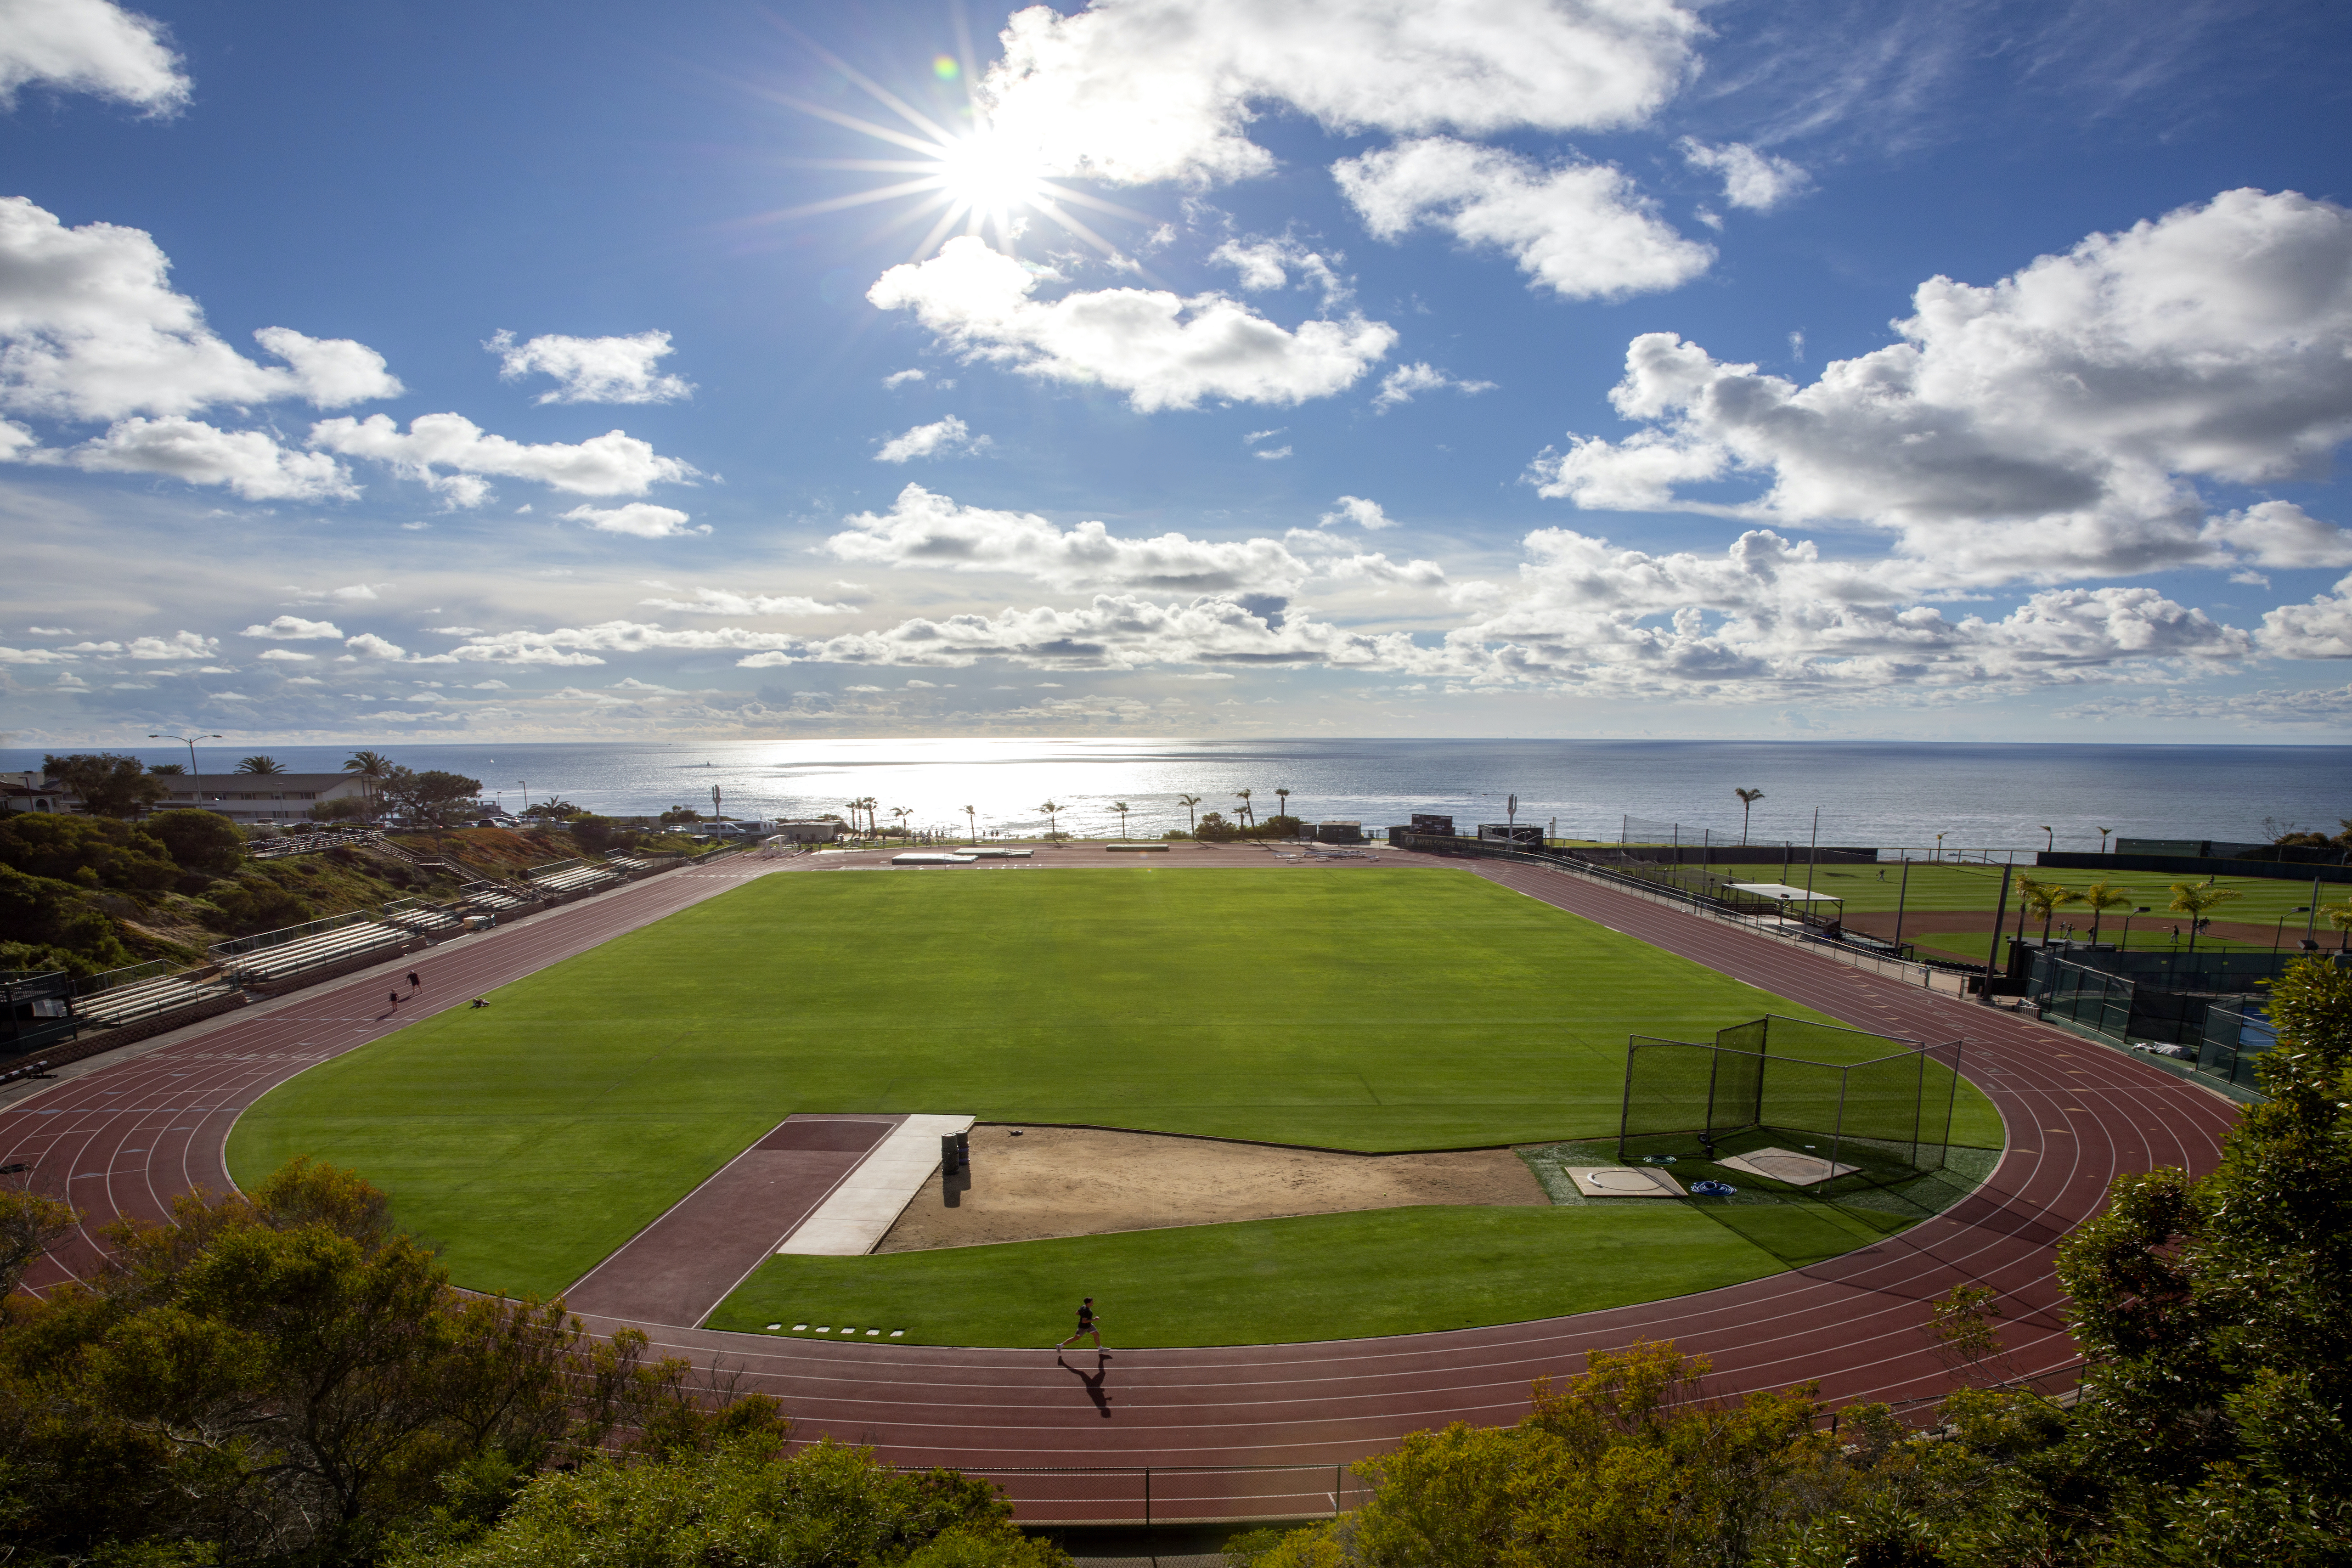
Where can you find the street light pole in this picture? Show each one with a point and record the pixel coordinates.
(195, 791)
(526, 794)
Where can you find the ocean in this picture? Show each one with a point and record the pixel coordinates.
(1889, 796)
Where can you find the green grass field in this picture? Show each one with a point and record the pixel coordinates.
(2261, 900)
(1367, 1009)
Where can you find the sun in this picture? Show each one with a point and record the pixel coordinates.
(969, 178)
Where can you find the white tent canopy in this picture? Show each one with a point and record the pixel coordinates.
(1782, 890)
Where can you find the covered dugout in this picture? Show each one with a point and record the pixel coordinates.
(1879, 1103)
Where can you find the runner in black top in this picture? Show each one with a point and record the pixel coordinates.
(1086, 1325)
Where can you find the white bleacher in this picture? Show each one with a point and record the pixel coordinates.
(423, 918)
(494, 896)
(326, 947)
(573, 876)
(127, 1003)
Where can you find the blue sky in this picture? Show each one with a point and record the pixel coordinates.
(1626, 368)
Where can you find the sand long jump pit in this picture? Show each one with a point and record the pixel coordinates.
(1032, 1183)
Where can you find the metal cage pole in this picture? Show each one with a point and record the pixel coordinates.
(1837, 1135)
(1625, 1108)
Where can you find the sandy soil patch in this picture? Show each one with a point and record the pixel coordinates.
(1068, 1181)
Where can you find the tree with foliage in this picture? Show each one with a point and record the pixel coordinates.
(677, 816)
(284, 1377)
(1628, 1463)
(744, 1502)
(372, 768)
(44, 925)
(2044, 900)
(555, 808)
(2194, 900)
(1748, 799)
(433, 799)
(1212, 828)
(198, 840)
(167, 770)
(258, 765)
(2099, 898)
(1189, 801)
(1052, 810)
(1243, 796)
(91, 852)
(107, 783)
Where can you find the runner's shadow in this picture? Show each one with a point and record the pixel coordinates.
(1095, 1390)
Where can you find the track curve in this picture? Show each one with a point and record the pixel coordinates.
(126, 1138)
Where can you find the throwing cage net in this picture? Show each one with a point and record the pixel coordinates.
(1878, 1103)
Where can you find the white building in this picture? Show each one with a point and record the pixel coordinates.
(33, 792)
(246, 798)
(808, 832)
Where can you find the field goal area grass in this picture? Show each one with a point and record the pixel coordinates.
(1370, 1009)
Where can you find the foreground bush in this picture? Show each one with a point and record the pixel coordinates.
(288, 1379)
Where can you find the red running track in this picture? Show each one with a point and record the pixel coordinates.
(2078, 1115)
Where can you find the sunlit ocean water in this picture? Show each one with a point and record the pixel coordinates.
(1977, 795)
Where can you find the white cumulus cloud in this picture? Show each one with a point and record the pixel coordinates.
(250, 462)
(947, 437)
(2320, 629)
(720, 602)
(294, 628)
(2048, 427)
(1407, 381)
(638, 518)
(1144, 90)
(1356, 510)
(1162, 350)
(1757, 181)
(594, 370)
(926, 529)
(1581, 230)
(614, 463)
(89, 45)
(91, 328)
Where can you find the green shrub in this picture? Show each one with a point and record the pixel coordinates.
(93, 851)
(198, 840)
(42, 912)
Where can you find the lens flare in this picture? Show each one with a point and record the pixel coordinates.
(967, 176)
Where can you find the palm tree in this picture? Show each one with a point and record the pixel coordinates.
(1283, 809)
(173, 769)
(260, 764)
(2193, 899)
(971, 821)
(373, 768)
(1052, 819)
(2103, 839)
(2099, 898)
(1243, 796)
(902, 813)
(2045, 899)
(1748, 799)
(1120, 807)
(1192, 820)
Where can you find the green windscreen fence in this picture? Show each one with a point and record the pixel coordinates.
(1875, 1102)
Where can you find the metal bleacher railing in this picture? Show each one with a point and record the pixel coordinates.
(310, 842)
(426, 917)
(125, 995)
(275, 954)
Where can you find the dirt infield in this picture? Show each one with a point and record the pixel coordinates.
(1083, 1181)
